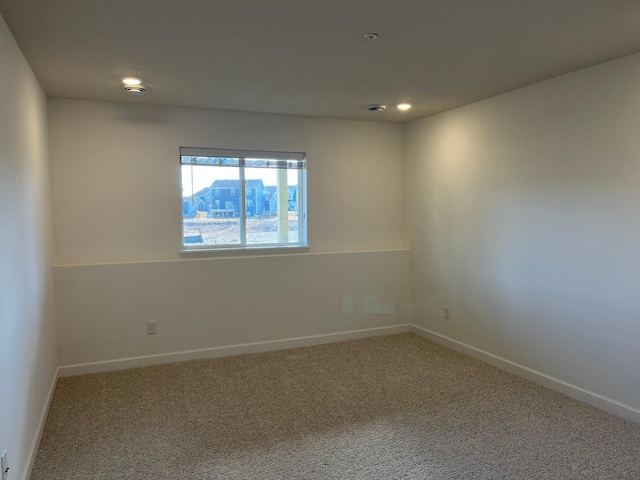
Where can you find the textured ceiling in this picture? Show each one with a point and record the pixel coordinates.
(309, 57)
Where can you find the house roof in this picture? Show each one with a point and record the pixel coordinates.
(270, 191)
(252, 183)
(203, 193)
(273, 191)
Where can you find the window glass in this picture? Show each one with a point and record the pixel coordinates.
(214, 216)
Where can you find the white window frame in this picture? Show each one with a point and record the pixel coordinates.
(293, 160)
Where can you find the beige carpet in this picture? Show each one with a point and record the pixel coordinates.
(394, 407)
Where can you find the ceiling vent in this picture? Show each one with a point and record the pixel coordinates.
(376, 107)
(135, 88)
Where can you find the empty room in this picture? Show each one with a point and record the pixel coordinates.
(319, 239)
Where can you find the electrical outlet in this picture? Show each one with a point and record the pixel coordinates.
(4, 464)
(151, 328)
(446, 313)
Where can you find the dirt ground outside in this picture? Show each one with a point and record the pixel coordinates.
(226, 231)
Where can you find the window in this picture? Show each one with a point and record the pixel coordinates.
(256, 218)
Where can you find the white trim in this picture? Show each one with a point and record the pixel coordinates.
(587, 396)
(256, 255)
(240, 349)
(35, 444)
(600, 401)
(244, 251)
(240, 153)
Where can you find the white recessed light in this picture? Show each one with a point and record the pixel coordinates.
(131, 81)
(404, 106)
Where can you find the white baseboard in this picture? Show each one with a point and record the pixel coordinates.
(256, 347)
(35, 444)
(592, 398)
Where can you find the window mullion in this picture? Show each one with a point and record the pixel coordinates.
(283, 207)
(243, 209)
(301, 209)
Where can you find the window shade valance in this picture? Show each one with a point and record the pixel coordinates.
(242, 158)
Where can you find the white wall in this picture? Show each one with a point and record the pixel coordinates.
(116, 199)
(27, 329)
(201, 304)
(116, 177)
(524, 214)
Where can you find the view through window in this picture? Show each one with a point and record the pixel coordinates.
(242, 199)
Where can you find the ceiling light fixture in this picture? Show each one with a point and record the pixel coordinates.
(131, 81)
(133, 85)
(404, 106)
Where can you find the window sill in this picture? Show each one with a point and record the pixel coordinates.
(244, 251)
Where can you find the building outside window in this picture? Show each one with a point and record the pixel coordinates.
(253, 219)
